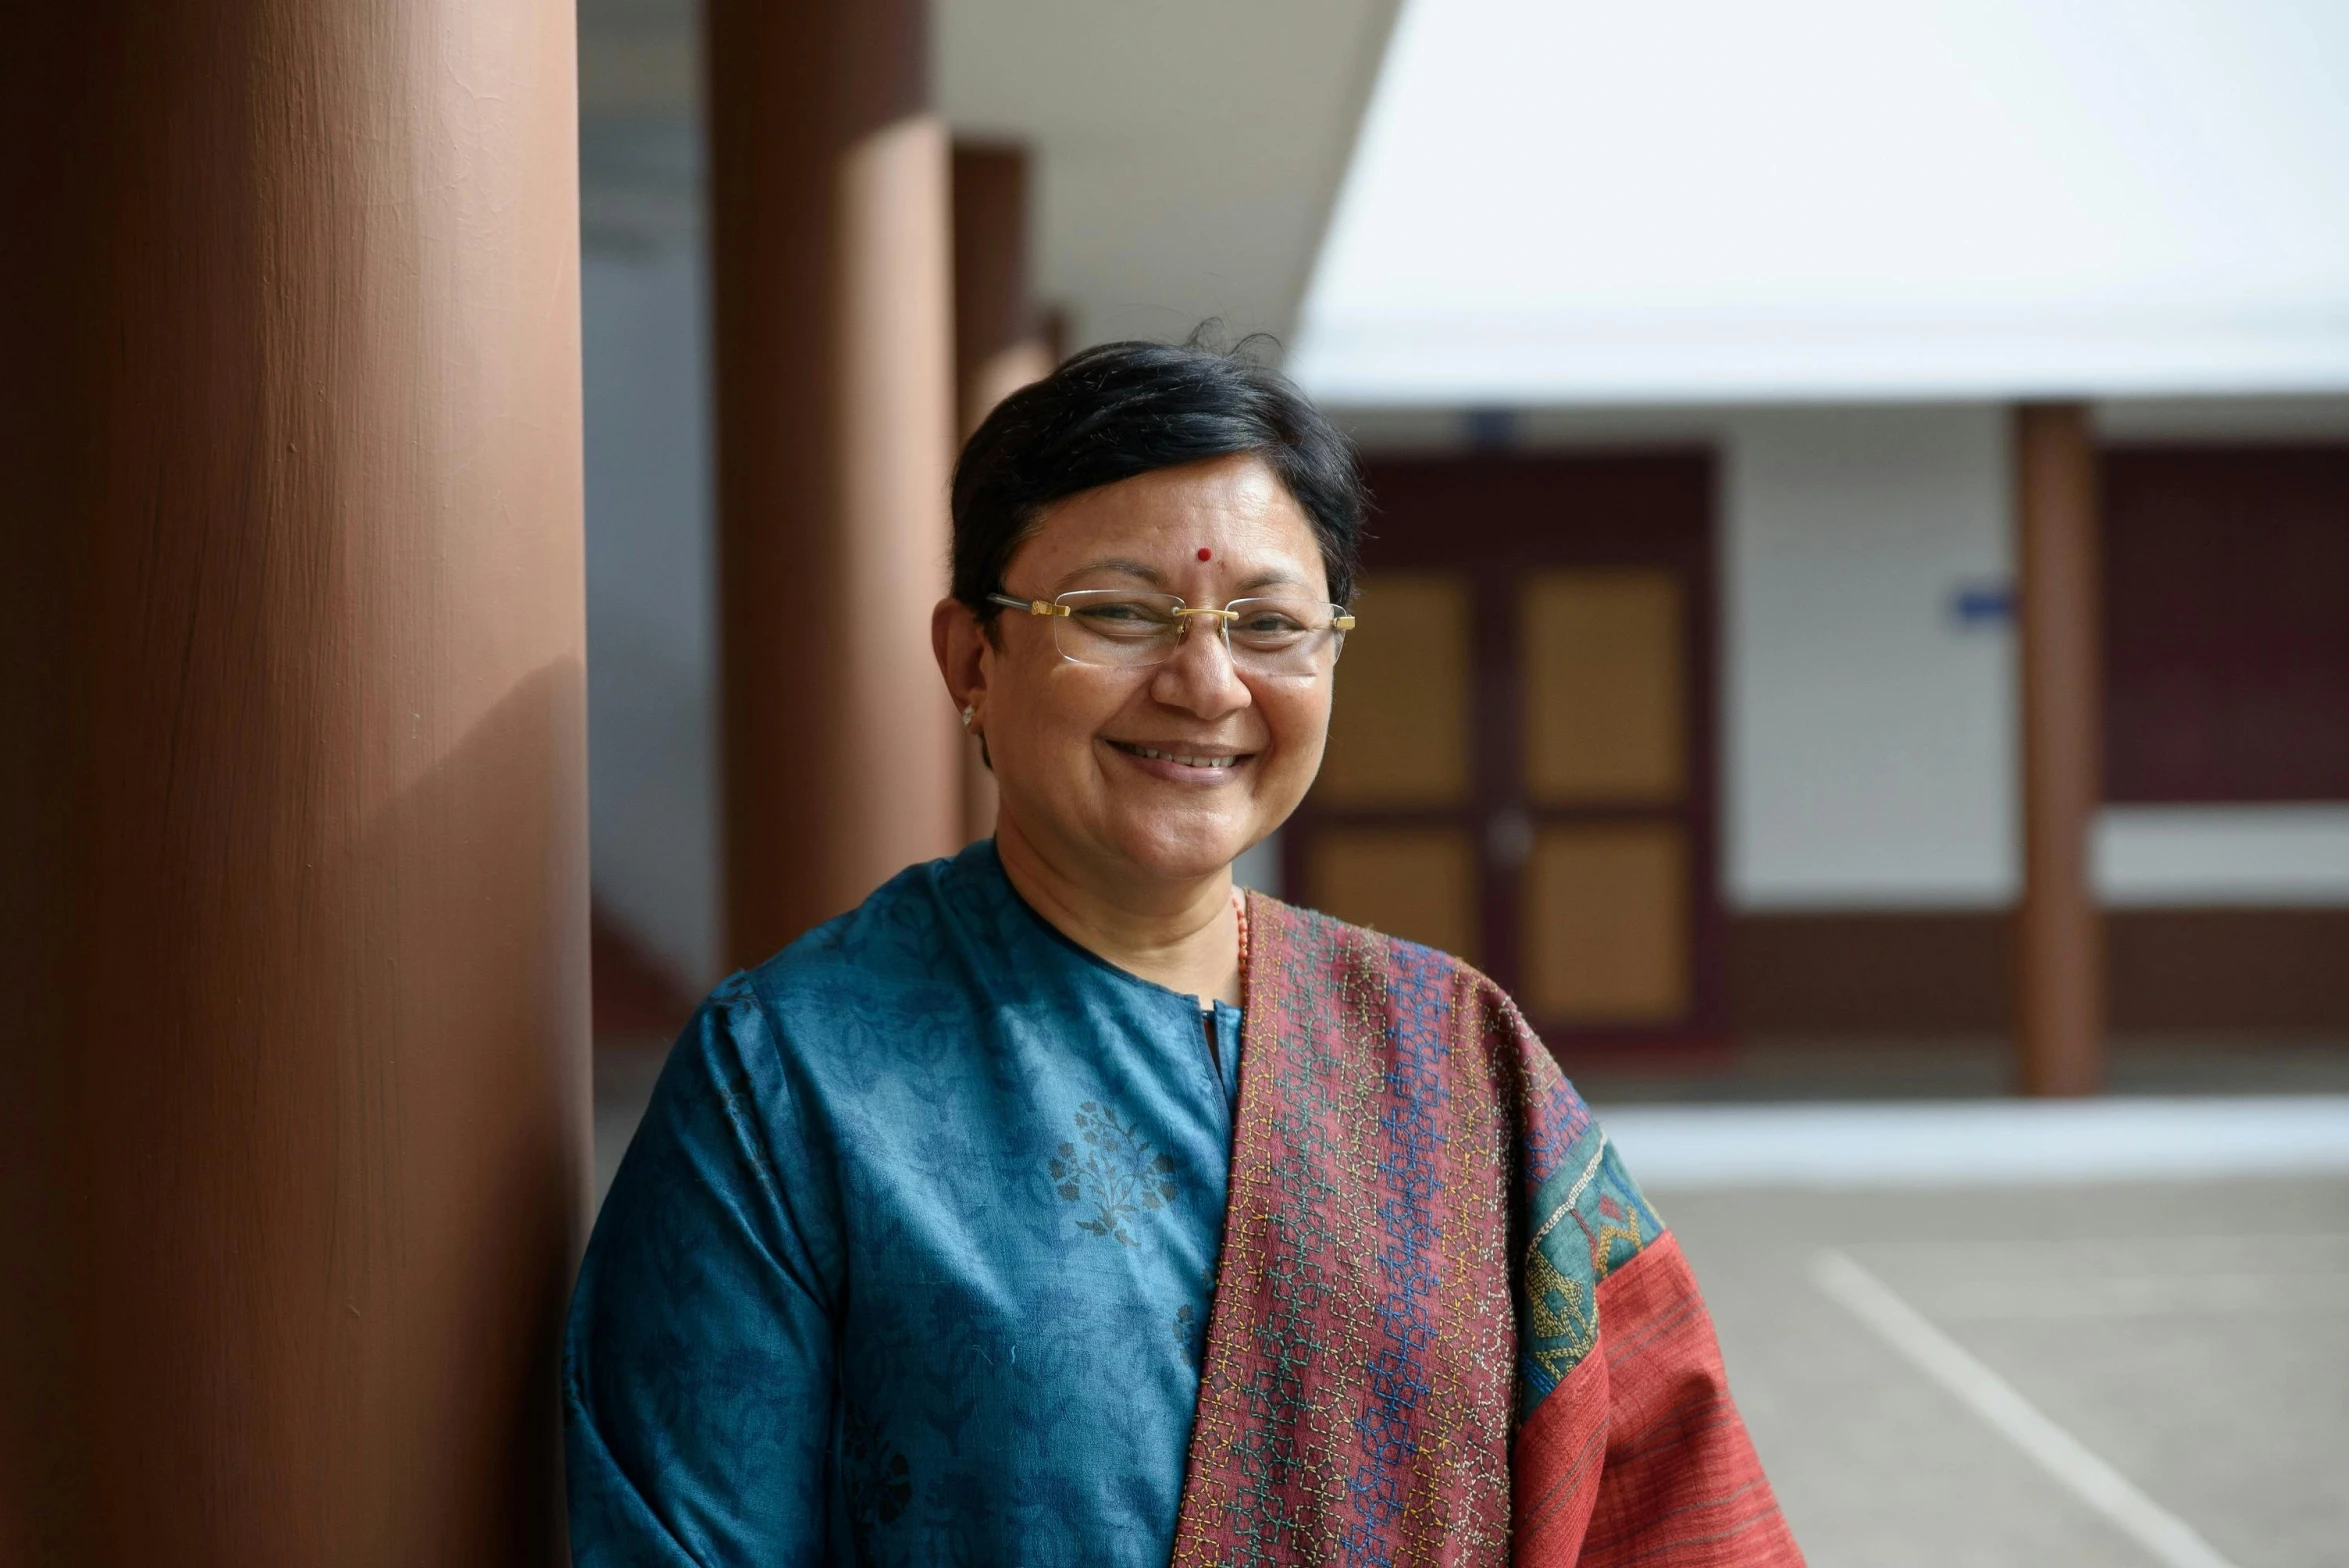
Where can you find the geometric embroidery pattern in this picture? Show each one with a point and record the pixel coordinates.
(1421, 1210)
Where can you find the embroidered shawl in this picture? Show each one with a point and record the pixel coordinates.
(1446, 1326)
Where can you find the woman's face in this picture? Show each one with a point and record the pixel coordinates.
(1072, 744)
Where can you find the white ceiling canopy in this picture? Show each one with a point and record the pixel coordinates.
(1576, 201)
(1186, 154)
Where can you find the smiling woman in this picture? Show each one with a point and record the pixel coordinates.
(1059, 1204)
(1157, 714)
(1181, 529)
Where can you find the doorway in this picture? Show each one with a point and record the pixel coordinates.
(1522, 754)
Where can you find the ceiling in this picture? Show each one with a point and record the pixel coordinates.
(1579, 201)
(1554, 203)
(1186, 156)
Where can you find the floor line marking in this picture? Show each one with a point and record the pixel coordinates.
(2063, 1456)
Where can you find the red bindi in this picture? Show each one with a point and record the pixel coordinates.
(1206, 554)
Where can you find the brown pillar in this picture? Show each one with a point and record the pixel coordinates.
(829, 233)
(2060, 959)
(1000, 342)
(1000, 337)
(292, 834)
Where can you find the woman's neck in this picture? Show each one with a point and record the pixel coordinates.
(1184, 935)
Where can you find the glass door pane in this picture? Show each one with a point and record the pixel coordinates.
(1605, 691)
(1607, 923)
(1418, 883)
(1399, 730)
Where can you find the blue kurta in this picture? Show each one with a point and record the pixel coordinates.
(910, 1260)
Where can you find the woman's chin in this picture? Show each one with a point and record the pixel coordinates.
(1184, 849)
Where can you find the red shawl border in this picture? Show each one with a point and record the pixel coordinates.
(1365, 1367)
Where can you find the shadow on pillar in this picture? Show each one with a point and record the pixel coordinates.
(292, 835)
(322, 1125)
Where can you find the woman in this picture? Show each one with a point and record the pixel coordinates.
(1057, 1205)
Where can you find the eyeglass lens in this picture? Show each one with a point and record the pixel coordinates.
(1119, 627)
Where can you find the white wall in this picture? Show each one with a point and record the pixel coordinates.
(2265, 856)
(1869, 735)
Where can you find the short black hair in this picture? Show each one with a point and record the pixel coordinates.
(1123, 409)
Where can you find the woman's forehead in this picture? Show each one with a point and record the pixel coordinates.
(1234, 508)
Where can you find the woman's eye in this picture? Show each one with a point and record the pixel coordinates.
(1124, 619)
(1269, 625)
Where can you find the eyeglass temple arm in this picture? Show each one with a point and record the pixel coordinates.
(1032, 606)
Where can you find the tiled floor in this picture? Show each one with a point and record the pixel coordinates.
(2192, 1336)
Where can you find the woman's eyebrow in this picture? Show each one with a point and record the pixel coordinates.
(1122, 566)
(1126, 566)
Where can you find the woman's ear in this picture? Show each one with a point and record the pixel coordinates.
(958, 641)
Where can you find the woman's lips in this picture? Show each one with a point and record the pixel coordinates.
(1204, 767)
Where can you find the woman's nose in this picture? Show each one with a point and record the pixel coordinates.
(1200, 675)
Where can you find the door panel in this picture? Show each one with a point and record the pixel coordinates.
(1607, 923)
(1418, 883)
(1399, 733)
(1605, 691)
(1521, 761)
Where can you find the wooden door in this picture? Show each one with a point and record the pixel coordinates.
(1521, 764)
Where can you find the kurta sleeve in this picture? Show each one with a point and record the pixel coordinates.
(1680, 1486)
(1633, 1454)
(698, 1365)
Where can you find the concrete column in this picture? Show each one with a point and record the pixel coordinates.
(1000, 341)
(835, 406)
(2060, 959)
(293, 893)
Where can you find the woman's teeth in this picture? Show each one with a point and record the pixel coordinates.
(1188, 762)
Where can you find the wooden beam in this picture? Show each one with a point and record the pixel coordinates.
(2060, 1003)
